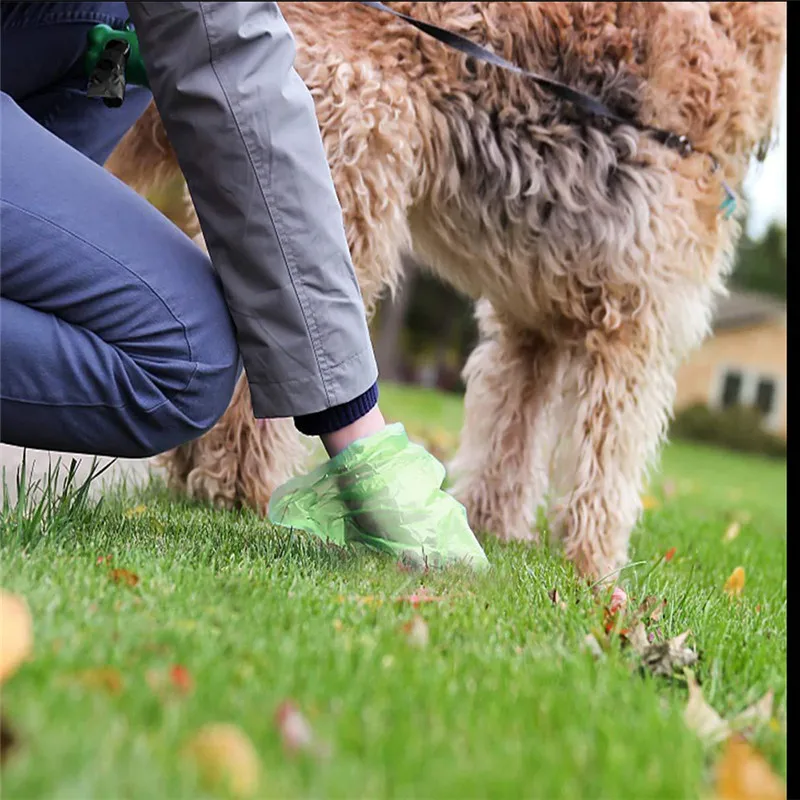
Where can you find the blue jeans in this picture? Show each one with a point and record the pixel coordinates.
(115, 338)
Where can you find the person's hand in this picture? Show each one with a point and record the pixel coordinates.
(384, 492)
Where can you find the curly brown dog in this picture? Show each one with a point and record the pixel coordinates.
(594, 254)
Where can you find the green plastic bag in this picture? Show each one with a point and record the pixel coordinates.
(384, 492)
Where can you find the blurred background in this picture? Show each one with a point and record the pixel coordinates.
(731, 392)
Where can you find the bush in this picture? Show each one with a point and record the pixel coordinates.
(735, 428)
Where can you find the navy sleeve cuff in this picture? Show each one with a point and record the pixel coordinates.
(338, 417)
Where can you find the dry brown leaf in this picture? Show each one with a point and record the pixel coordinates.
(637, 639)
(667, 658)
(734, 586)
(732, 531)
(646, 607)
(224, 755)
(123, 576)
(743, 774)
(701, 717)
(759, 713)
(106, 678)
(656, 613)
(555, 599)
(416, 632)
(16, 633)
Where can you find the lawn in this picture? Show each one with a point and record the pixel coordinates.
(494, 694)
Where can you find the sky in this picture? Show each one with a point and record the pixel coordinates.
(765, 186)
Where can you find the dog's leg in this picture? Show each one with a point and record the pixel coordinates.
(500, 466)
(240, 461)
(618, 392)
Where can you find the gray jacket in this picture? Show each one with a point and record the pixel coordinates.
(243, 126)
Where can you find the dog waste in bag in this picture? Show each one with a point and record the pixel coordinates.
(384, 492)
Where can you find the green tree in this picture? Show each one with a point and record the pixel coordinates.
(761, 265)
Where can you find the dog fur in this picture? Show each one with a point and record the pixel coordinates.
(593, 253)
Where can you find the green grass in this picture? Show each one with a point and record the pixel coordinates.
(503, 702)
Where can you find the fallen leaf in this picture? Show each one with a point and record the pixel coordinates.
(759, 713)
(104, 559)
(555, 599)
(295, 731)
(650, 503)
(16, 633)
(224, 755)
(181, 678)
(656, 613)
(135, 511)
(107, 679)
(646, 607)
(732, 531)
(637, 639)
(743, 774)
(700, 717)
(669, 555)
(416, 632)
(123, 576)
(734, 586)
(666, 658)
(618, 599)
(419, 597)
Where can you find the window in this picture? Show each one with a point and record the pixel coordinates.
(765, 396)
(738, 386)
(731, 389)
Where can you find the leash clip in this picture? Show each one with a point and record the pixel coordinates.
(107, 79)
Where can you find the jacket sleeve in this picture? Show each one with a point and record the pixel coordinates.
(244, 129)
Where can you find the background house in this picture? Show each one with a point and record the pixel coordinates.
(743, 362)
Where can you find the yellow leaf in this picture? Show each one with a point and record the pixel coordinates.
(731, 532)
(650, 503)
(743, 774)
(106, 678)
(16, 633)
(224, 755)
(135, 511)
(734, 586)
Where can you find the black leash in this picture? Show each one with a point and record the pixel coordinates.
(584, 102)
